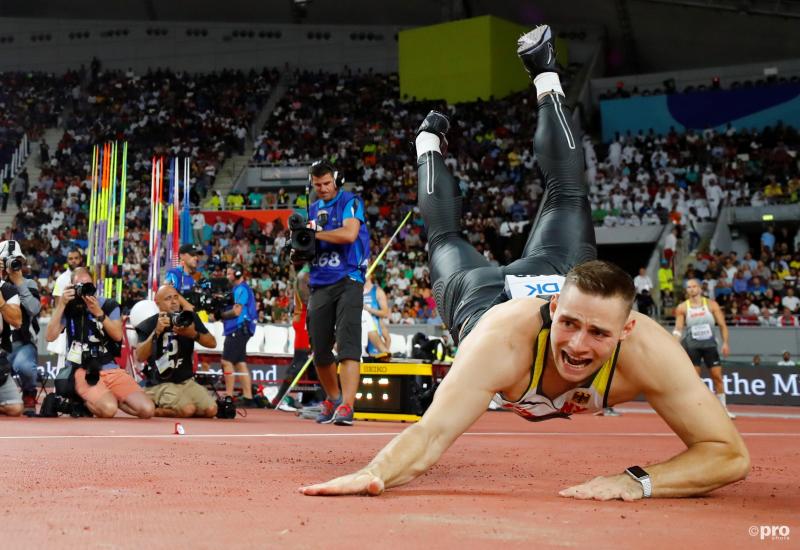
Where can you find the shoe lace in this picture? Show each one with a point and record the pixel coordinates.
(344, 410)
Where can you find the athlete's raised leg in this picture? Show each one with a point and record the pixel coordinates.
(563, 234)
(440, 204)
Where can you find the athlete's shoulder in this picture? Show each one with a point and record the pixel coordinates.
(518, 316)
(646, 341)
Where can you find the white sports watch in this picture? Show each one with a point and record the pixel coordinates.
(643, 478)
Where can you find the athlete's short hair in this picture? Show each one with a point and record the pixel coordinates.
(600, 278)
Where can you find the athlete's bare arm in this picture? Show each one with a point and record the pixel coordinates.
(496, 355)
(680, 320)
(719, 317)
(653, 363)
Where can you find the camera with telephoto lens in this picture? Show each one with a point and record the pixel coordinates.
(14, 264)
(181, 319)
(303, 240)
(84, 290)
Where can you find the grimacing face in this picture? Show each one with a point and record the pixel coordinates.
(324, 186)
(585, 331)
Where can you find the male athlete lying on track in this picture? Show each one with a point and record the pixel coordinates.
(583, 350)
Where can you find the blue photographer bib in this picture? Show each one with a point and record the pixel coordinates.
(242, 295)
(334, 262)
(180, 280)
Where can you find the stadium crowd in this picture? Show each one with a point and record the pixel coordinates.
(356, 121)
(758, 289)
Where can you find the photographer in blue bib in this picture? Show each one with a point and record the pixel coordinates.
(182, 276)
(338, 251)
(239, 324)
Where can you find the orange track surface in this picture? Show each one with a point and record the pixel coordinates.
(128, 483)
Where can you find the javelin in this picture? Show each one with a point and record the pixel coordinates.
(370, 269)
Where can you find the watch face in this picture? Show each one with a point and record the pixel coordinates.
(637, 472)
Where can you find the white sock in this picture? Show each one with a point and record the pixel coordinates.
(548, 82)
(721, 397)
(427, 141)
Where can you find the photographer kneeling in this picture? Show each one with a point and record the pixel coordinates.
(94, 332)
(166, 345)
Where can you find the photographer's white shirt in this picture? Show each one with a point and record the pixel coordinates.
(62, 282)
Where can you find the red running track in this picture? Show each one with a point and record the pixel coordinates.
(128, 483)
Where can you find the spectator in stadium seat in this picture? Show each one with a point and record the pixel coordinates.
(786, 360)
(198, 224)
(768, 238)
(671, 245)
(790, 301)
(644, 289)
(787, 319)
(666, 283)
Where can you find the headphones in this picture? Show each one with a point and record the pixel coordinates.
(238, 270)
(325, 167)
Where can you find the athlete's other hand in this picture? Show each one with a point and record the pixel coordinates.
(725, 350)
(619, 487)
(359, 483)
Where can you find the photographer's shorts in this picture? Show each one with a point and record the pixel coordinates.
(334, 315)
(176, 396)
(234, 348)
(9, 393)
(114, 381)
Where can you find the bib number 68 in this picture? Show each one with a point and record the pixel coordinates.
(330, 259)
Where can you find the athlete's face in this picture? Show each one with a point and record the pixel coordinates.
(585, 331)
(324, 186)
(693, 288)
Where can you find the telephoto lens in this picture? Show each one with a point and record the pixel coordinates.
(83, 290)
(181, 319)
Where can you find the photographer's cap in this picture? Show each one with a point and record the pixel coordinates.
(5, 250)
(190, 249)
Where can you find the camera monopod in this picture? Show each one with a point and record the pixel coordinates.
(370, 269)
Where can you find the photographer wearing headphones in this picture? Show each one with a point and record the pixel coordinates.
(166, 345)
(23, 356)
(94, 332)
(10, 319)
(239, 324)
(337, 282)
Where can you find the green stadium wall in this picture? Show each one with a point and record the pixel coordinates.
(463, 60)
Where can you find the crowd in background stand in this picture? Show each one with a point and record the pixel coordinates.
(356, 121)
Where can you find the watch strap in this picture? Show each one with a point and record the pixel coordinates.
(640, 475)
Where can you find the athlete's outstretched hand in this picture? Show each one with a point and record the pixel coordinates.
(359, 483)
(621, 487)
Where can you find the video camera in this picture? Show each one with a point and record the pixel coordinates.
(303, 240)
(212, 295)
